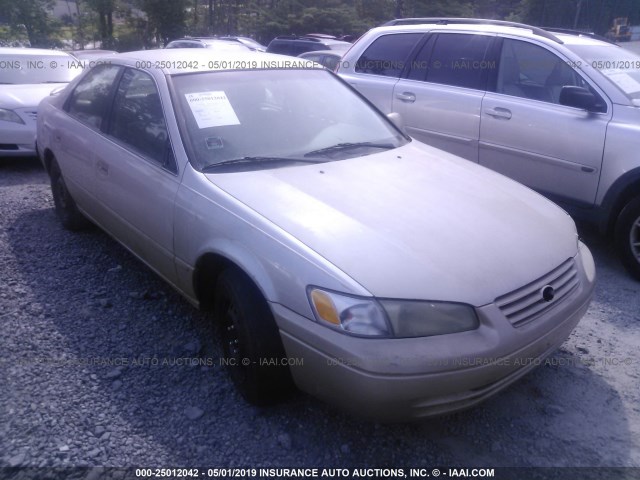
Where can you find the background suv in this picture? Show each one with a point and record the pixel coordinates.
(559, 112)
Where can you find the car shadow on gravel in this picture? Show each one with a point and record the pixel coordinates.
(21, 170)
(106, 343)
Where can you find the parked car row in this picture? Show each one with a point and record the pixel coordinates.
(394, 278)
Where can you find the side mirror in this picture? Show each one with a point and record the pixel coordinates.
(579, 97)
(396, 119)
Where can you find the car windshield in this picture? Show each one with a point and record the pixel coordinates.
(620, 66)
(23, 69)
(276, 118)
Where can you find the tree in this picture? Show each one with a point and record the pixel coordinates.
(104, 10)
(166, 18)
(30, 17)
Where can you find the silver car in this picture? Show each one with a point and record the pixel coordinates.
(27, 75)
(557, 111)
(327, 58)
(336, 254)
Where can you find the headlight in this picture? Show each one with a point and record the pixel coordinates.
(587, 262)
(10, 116)
(397, 318)
(355, 315)
(423, 319)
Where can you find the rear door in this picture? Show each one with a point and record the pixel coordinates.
(441, 97)
(527, 135)
(75, 135)
(136, 174)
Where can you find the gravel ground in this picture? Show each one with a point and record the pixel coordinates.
(66, 298)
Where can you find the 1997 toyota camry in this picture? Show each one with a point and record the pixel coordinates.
(402, 281)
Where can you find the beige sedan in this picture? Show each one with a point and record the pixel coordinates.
(337, 254)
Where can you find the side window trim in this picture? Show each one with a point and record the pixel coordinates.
(488, 57)
(428, 41)
(494, 56)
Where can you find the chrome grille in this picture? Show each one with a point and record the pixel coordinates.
(32, 114)
(527, 303)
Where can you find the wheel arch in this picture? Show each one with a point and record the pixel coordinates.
(626, 188)
(47, 159)
(210, 264)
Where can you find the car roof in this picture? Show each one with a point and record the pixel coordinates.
(495, 27)
(189, 60)
(578, 39)
(337, 53)
(34, 52)
(312, 39)
(209, 41)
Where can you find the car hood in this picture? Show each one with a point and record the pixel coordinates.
(27, 95)
(414, 222)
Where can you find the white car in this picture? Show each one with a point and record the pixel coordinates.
(28, 75)
(373, 271)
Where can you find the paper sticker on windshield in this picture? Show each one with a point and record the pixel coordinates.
(212, 109)
(214, 143)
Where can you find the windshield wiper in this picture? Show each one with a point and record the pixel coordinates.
(348, 146)
(256, 160)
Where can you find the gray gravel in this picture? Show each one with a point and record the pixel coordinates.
(96, 369)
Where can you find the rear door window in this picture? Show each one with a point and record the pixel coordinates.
(388, 54)
(459, 60)
(89, 101)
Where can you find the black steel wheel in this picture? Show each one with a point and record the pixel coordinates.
(250, 339)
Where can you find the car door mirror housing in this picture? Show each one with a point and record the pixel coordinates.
(579, 97)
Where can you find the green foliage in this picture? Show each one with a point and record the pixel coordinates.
(166, 18)
(30, 19)
(594, 15)
(128, 24)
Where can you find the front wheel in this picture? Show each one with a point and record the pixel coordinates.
(628, 237)
(250, 340)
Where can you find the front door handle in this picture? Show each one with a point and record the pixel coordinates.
(406, 97)
(499, 112)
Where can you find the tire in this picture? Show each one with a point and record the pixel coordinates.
(627, 237)
(250, 339)
(66, 208)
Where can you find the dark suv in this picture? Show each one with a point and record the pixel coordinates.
(294, 45)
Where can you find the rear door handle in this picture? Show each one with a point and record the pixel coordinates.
(406, 97)
(499, 112)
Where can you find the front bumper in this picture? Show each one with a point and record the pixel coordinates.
(17, 140)
(411, 378)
